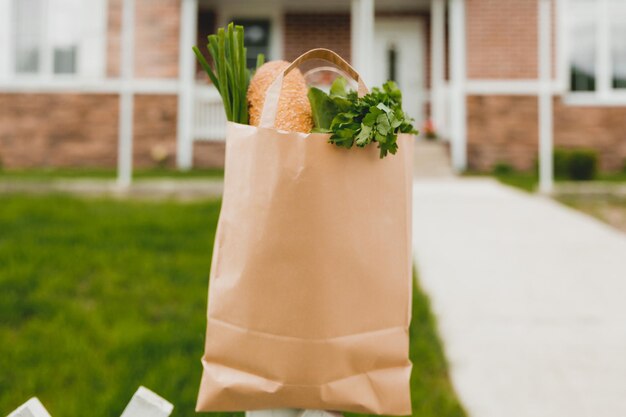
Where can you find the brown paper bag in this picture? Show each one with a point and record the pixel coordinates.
(310, 286)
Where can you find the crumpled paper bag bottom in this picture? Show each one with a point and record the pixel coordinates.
(240, 387)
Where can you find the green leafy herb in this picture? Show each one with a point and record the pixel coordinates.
(323, 109)
(376, 117)
(231, 76)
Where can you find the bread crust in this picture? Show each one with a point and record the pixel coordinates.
(294, 110)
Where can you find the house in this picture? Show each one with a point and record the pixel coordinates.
(104, 82)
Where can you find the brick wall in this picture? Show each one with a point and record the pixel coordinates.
(72, 130)
(600, 128)
(304, 31)
(157, 43)
(505, 129)
(157, 27)
(501, 39)
(55, 130)
(114, 30)
(501, 129)
(208, 154)
(155, 130)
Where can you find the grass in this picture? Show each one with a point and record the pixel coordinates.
(613, 177)
(523, 181)
(48, 174)
(431, 390)
(98, 297)
(609, 209)
(529, 181)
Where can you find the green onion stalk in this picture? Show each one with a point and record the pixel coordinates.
(231, 75)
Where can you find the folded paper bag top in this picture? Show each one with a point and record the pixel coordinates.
(310, 287)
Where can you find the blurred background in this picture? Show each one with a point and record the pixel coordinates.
(63, 72)
(111, 166)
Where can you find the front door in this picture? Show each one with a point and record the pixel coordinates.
(399, 56)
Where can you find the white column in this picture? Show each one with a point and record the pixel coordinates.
(457, 85)
(546, 171)
(362, 37)
(186, 79)
(125, 137)
(437, 62)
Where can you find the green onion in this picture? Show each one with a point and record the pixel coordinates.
(231, 75)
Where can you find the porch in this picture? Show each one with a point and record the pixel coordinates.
(412, 42)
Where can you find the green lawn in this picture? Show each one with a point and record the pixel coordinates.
(529, 181)
(47, 174)
(526, 182)
(609, 209)
(100, 296)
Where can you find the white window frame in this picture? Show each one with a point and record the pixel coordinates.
(6, 39)
(605, 94)
(97, 49)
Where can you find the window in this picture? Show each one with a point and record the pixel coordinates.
(59, 37)
(596, 35)
(618, 43)
(583, 35)
(28, 17)
(65, 31)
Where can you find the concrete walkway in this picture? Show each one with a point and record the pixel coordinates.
(530, 298)
(431, 159)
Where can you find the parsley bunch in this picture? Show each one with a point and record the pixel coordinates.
(376, 117)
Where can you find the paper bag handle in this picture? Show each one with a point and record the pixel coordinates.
(270, 106)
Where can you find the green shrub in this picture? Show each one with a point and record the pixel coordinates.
(583, 164)
(575, 164)
(502, 168)
(560, 159)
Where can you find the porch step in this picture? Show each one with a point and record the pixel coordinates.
(431, 160)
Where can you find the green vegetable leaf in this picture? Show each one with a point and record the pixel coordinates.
(370, 118)
(321, 130)
(338, 88)
(364, 136)
(323, 108)
(342, 103)
(392, 90)
(384, 108)
(382, 124)
(394, 121)
(260, 60)
(342, 119)
(352, 120)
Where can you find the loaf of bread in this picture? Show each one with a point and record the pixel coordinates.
(294, 110)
